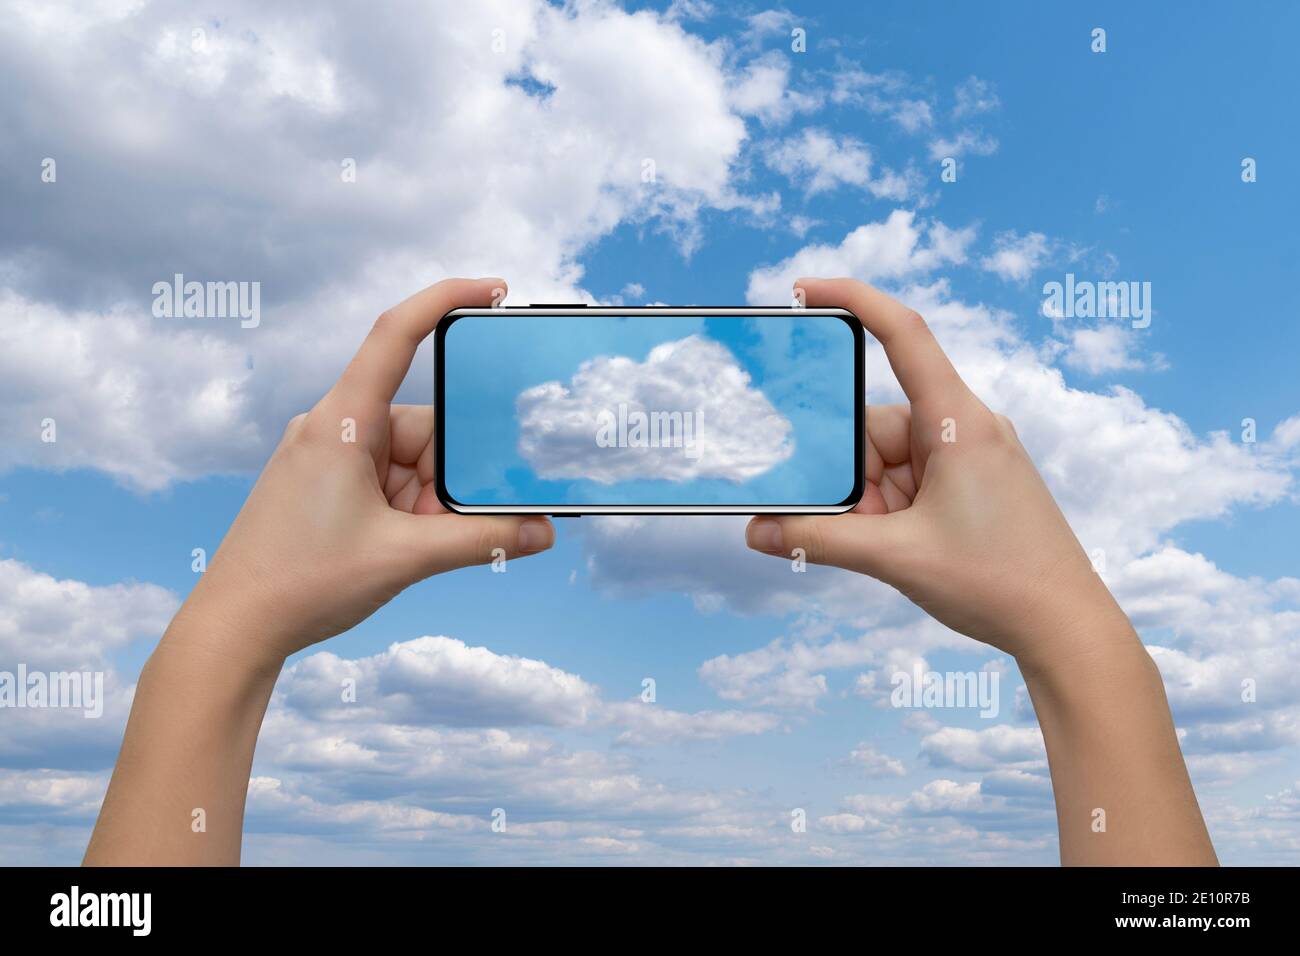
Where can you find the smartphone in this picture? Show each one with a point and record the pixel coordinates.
(574, 410)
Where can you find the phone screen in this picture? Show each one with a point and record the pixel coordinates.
(645, 410)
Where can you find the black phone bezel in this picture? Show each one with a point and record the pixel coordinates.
(575, 310)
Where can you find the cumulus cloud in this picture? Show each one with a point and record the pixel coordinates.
(444, 729)
(626, 556)
(1227, 647)
(440, 680)
(1016, 257)
(47, 622)
(405, 745)
(724, 427)
(822, 162)
(1000, 746)
(1171, 475)
(60, 625)
(1209, 631)
(296, 100)
(982, 820)
(187, 410)
(762, 89)
(369, 774)
(52, 792)
(1286, 435)
(872, 763)
(788, 672)
(894, 249)
(649, 724)
(1107, 348)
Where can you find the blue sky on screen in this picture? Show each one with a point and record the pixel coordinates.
(542, 410)
(648, 154)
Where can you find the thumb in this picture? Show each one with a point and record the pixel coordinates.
(431, 544)
(869, 544)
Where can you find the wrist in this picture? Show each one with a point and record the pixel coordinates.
(1081, 640)
(212, 633)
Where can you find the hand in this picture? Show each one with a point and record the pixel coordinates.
(954, 515)
(344, 516)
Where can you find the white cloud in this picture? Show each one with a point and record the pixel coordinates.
(762, 90)
(883, 94)
(734, 432)
(63, 624)
(893, 249)
(125, 395)
(871, 762)
(1286, 435)
(1228, 647)
(1016, 257)
(998, 747)
(290, 97)
(967, 142)
(822, 162)
(1171, 475)
(689, 10)
(988, 821)
(52, 791)
(973, 96)
(1107, 348)
(786, 673)
(649, 724)
(442, 681)
(56, 625)
(439, 680)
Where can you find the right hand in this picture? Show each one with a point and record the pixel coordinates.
(955, 515)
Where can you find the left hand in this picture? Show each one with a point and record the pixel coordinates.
(344, 516)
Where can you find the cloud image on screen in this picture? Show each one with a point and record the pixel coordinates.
(689, 411)
(677, 410)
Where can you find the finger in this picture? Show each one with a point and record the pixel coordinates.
(428, 502)
(922, 368)
(872, 501)
(898, 487)
(411, 429)
(889, 432)
(431, 544)
(889, 452)
(380, 365)
(872, 544)
(402, 487)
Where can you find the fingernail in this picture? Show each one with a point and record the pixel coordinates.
(534, 536)
(764, 534)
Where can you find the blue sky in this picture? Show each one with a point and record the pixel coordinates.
(221, 159)
(780, 435)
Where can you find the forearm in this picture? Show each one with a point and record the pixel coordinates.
(1123, 796)
(178, 790)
